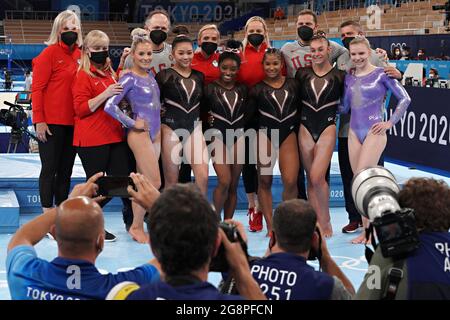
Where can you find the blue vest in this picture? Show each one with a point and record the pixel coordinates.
(286, 276)
(429, 268)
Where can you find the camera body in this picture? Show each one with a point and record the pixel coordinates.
(374, 191)
(219, 263)
(14, 117)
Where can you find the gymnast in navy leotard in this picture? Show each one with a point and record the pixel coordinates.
(141, 91)
(226, 102)
(181, 91)
(321, 90)
(277, 104)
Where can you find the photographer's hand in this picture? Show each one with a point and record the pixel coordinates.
(41, 129)
(146, 193)
(88, 189)
(239, 267)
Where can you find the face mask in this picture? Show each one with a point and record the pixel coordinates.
(346, 42)
(69, 37)
(209, 47)
(99, 57)
(255, 39)
(158, 36)
(305, 33)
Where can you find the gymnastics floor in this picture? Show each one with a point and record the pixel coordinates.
(21, 171)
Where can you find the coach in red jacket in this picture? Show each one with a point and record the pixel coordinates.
(98, 138)
(53, 72)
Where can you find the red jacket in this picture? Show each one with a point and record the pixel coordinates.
(251, 71)
(53, 73)
(209, 67)
(93, 128)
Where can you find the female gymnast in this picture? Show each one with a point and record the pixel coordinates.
(365, 90)
(276, 100)
(226, 103)
(141, 91)
(181, 94)
(321, 88)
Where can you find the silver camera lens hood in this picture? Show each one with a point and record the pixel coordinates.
(368, 179)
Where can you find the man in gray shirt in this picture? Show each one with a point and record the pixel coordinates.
(158, 26)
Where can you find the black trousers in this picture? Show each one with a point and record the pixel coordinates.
(57, 158)
(347, 177)
(249, 171)
(110, 158)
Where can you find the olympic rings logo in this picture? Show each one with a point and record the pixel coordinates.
(115, 52)
(397, 45)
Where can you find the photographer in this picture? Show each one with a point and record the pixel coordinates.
(294, 236)
(425, 274)
(78, 227)
(184, 236)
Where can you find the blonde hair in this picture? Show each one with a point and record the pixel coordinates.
(94, 38)
(266, 33)
(208, 27)
(361, 40)
(60, 19)
(137, 32)
(138, 40)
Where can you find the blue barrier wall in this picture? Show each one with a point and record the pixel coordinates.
(422, 136)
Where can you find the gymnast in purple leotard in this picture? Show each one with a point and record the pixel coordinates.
(365, 95)
(365, 91)
(142, 93)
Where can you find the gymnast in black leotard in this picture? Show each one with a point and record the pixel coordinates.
(277, 108)
(321, 89)
(320, 97)
(181, 91)
(277, 104)
(226, 103)
(180, 97)
(227, 107)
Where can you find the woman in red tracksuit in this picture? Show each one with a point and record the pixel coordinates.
(99, 139)
(53, 72)
(255, 43)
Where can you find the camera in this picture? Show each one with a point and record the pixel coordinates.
(14, 117)
(219, 263)
(374, 191)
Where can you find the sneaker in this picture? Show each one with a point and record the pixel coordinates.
(109, 237)
(258, 221)
(352, 227)
(250, 214)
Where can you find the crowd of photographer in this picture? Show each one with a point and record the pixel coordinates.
(412, 260)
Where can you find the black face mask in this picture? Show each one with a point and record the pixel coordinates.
(209, 47)
(99, 57)
(346, 42)
(305, 33)
(158, 36)
(255, 39)
(69, 37)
